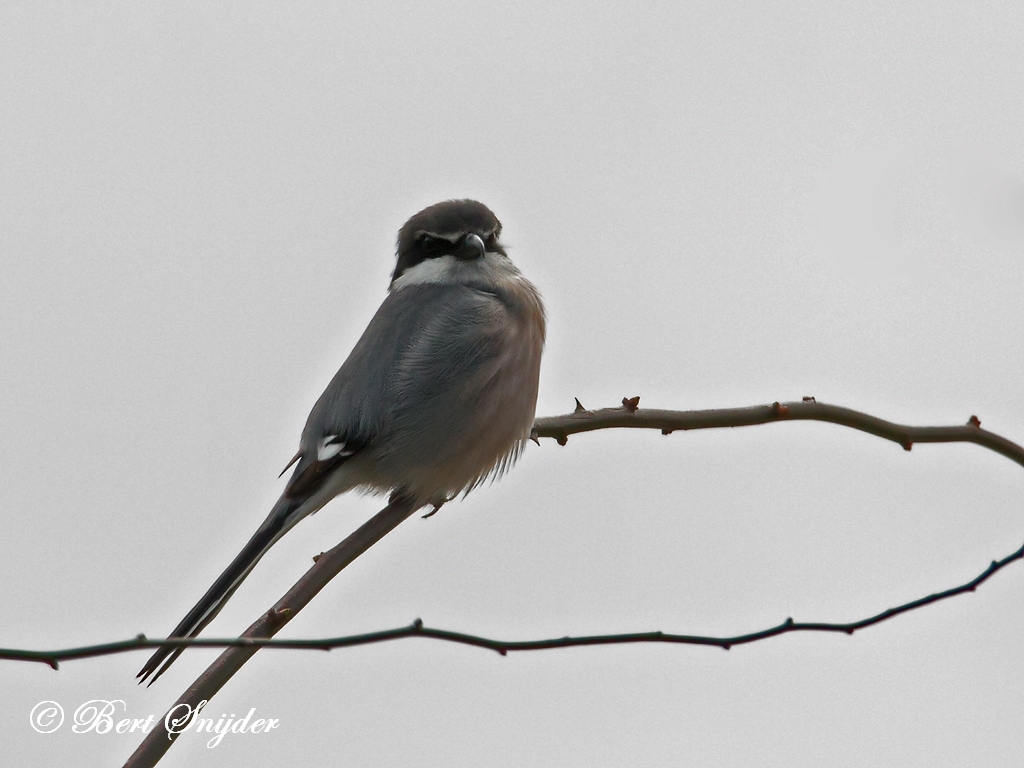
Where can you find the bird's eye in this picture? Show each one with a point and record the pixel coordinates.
(432, 246)
(491, 241)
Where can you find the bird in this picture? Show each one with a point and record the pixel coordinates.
(438, 395)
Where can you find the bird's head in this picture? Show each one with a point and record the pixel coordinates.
(461, 230)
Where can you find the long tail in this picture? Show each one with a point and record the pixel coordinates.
(285, 514)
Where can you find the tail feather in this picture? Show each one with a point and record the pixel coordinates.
(280, 520)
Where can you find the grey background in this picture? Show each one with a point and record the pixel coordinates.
(724, 204)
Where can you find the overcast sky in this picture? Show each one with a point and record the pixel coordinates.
(722, 206)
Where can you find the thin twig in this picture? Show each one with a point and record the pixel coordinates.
(503, 647)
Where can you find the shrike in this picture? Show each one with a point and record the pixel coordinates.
(438, 394)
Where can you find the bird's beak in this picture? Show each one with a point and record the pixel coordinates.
(471, 247)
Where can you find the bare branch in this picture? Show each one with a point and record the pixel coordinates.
(560, 427)
(326, 567)
(630, 416)
(417, 629)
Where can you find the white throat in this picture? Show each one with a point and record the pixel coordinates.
(492, 268)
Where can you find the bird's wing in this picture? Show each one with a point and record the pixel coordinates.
(354, 408)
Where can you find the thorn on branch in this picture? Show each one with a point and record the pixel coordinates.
(579, 406)
(279, 614)
(631, 404)
(974, 421)
(562, 439)
(779, 409)
(533, 436)
(667, 431)
(809, 399)
(907, 445)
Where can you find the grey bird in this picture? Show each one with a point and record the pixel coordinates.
(439, 393)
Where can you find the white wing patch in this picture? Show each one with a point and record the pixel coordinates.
(331, 446)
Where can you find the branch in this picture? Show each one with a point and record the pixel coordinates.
(630, 416)
(327, 566)
(417, 629)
